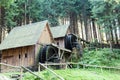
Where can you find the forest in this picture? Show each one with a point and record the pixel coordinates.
(95, 22)
(92, 20)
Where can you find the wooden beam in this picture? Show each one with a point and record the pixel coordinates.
(86, 65)
(62, 54)
(61, 78)
(55, 64)
(54, 45)
(32, 72)
(10, 65)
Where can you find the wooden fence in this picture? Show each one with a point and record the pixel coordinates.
(58, 76)
(79, 64)
(21, 70)
(32, 72)
(56, 64)
(11, 66)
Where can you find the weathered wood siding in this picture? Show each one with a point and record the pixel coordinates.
(19, 56)
(60, 41)
(46, 36)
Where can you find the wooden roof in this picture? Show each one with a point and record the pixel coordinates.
(24, 35)
(59, 31)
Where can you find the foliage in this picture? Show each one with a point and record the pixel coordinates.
(11, 13)
(6, 3)
(37, 10)
(80, 74)
(105, 12)
(101, 57)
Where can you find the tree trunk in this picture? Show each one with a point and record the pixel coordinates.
(2, 21)
(110, 42)
(119, 30)
(94, 29)
(111, 32)
(82, 30)
(85, 20)
(81, 26)
(0, 24)
(73, 23)
(100, 35)
(89, 31)
(116, 37)
(111, 39)
(86, 29)
(115, 31)
(25, 13)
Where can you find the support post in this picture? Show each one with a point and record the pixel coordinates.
(66, 66)
(101, 70)
(21, 72)
(38, 67)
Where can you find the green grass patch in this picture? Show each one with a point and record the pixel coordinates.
(77, 74)
(88, 74)
(101, 57)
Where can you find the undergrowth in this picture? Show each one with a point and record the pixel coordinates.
(101, 57)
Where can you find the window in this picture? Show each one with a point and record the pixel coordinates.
(19, 56)
(25, 55)
(58, 43)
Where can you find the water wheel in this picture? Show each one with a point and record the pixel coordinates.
(71, 41)
(48, 53)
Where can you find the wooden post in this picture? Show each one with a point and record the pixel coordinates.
(66, 66)
(109, 69)
(45, 64)
(101, 70)
(95, 67)
(78, 66)
(21, 71)
(38, 67)
(61, 78)
(83, 66)
(32, 72)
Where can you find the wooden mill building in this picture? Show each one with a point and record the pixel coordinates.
(59, 33)
(21, 46)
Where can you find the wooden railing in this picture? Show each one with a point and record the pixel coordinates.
(55, 64)
(11, 66)
(95, 66)
(58, 76)
(80, 64)
(21, 70)
(32, 72)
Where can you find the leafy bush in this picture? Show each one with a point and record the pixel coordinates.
(101, 56)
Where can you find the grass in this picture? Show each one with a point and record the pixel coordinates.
(81, 74)
(78, 74)
(102, 57)
(74, 74)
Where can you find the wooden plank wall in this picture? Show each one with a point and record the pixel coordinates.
(45, 37)
(59, 42)
(23, 56)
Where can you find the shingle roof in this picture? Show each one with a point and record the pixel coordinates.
(23, 36)
(59, 31)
